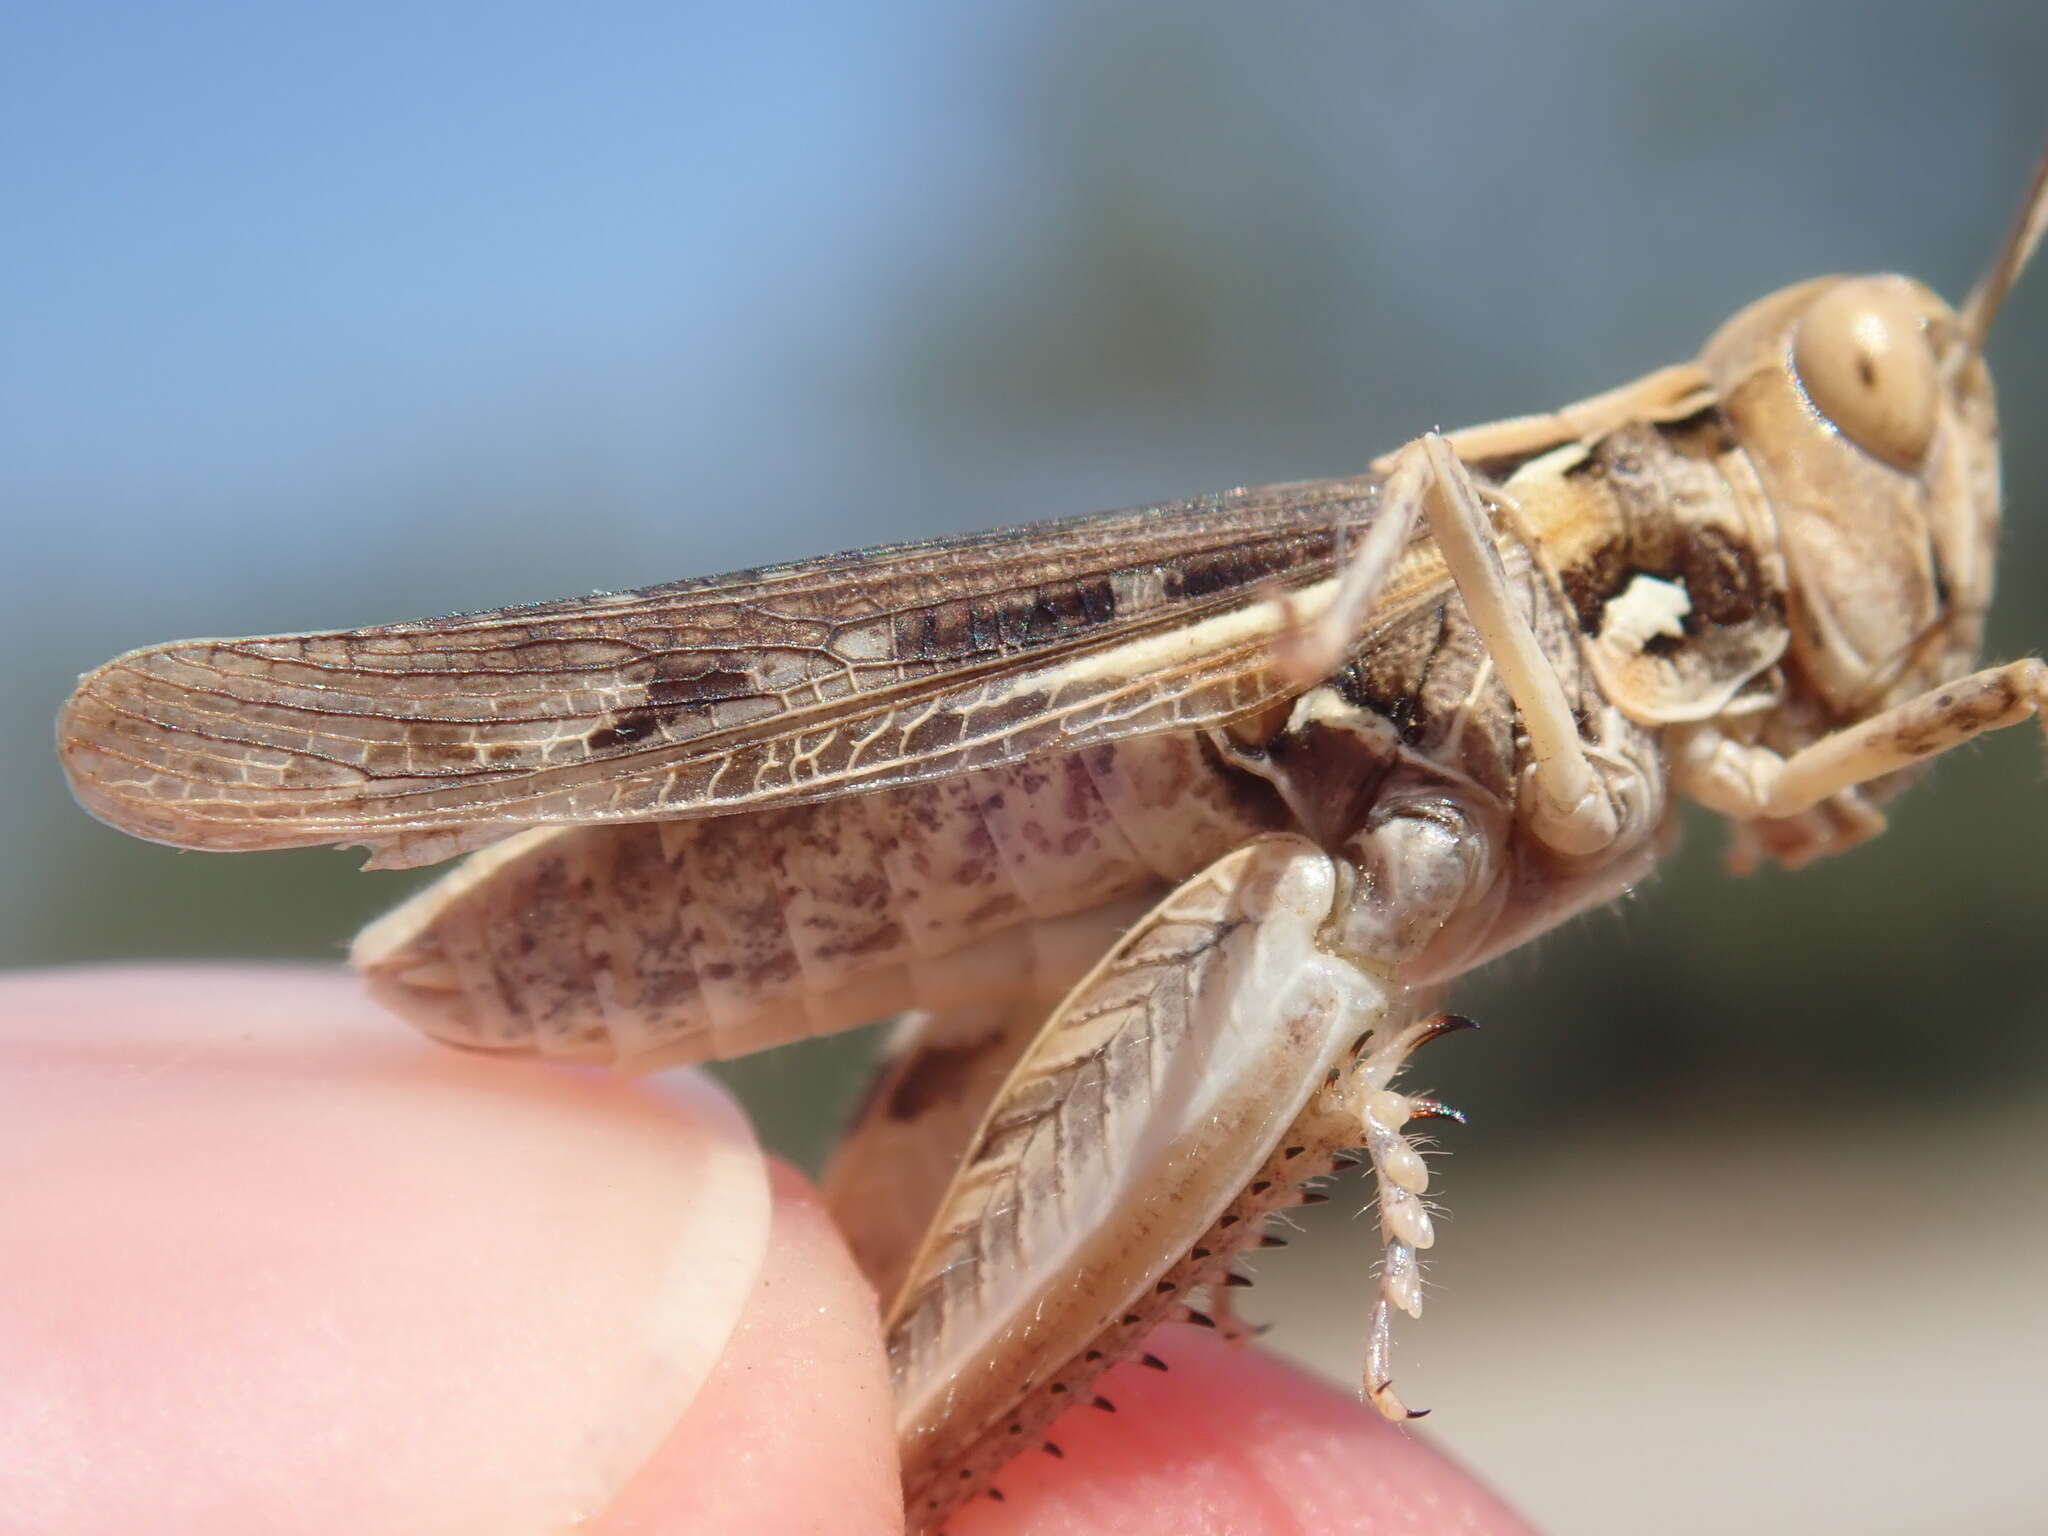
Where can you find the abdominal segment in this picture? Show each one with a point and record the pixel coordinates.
(674, 941)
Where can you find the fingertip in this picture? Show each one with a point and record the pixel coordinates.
(313, 1274)
(1228, 1439)
(794, 1430)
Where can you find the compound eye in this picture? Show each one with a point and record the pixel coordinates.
(1863, 354)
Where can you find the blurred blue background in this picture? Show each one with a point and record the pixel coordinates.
(312, 317)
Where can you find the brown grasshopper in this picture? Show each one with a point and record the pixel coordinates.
(1162, 828)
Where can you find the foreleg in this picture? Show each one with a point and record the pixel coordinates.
(1753, 783)
(1573, 810)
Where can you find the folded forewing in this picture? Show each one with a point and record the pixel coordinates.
(794, 682)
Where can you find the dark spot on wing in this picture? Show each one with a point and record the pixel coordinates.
(1201, 575)
(676, 689)
(683, 683)
(625, 729)
(983, 628)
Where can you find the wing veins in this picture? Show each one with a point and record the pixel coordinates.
(1015, 651)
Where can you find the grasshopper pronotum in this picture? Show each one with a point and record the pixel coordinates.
(1164, 826)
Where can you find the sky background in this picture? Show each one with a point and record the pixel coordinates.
(314, 317)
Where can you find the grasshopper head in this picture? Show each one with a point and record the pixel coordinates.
(1872, 426)
(1865, 405)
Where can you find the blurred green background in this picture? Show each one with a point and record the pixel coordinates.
(317, 317)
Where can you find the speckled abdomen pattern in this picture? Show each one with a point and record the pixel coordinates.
(702, 939)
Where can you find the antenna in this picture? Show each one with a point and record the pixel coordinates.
(1983, 303)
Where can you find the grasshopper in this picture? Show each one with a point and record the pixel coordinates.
(1162, 829)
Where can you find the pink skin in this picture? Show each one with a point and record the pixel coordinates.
(271, 1264)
